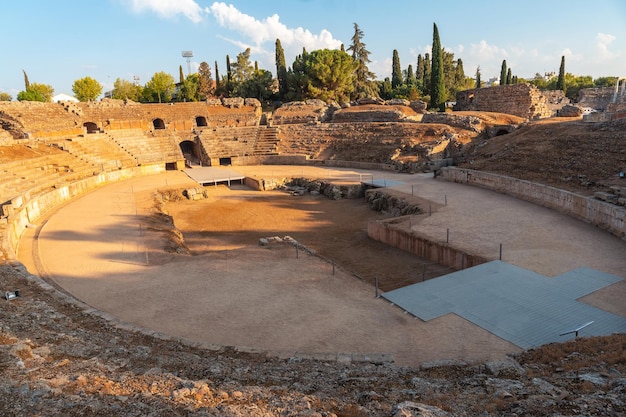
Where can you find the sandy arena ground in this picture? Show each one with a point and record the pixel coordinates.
(231, 291)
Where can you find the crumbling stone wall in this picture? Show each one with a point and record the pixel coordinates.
(523, 100)
(595, 98)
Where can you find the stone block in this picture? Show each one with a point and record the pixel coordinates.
(608, 197)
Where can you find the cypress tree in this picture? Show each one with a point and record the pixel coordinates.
(478, 82)
(426, 79)
(396, 70)
(410, 77)
(26, 82)
(281, 70)
(560, 84)
(509, 76)
(503, 73)
(217, 77)
(181, 76)
(437, 76)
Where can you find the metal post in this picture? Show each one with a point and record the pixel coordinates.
(376, 286)
(500, 251)
(447, 235)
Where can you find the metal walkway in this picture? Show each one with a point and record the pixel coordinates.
(523, 307)
(214, 175)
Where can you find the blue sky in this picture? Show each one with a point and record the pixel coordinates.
(59, 41)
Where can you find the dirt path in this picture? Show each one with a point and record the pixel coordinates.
(234, 292)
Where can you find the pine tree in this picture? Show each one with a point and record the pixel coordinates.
(560, 84)
(281, 70)
(437, 76)
(478, 82)
(396, 70)
(364, 84)
(503, 73)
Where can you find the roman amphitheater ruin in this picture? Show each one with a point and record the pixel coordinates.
(80, 176)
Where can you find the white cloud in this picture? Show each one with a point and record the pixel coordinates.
(603, 42)
(168, 8)
(260, 35)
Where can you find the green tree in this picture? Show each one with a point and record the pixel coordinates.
(125, 90)
(206, 86)
(560, 84)
(503, 73)
(396, 70)
(229, 77)
(419, 69)
(605, 82)
(297, 77)
(478, 81)
(160, 88)
(5, 96)
(281, 71)
(86, 89)
(364, 80)
(181, 76)
(188, 89)
(37, 92)
(437, 80)
(257, 86)
(385, 89)
(242, 69)
(509, 76)
(331, 75)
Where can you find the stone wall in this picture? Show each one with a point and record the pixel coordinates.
(30, 210)
(391, 234)
(595, 98)
(603, 215)
(523, 100)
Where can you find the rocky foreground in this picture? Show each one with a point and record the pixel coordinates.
(61, 358)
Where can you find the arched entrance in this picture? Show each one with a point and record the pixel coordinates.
(158, 124)
(201, 121)
(91, 127)
(190, 152)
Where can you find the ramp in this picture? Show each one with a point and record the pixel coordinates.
(523, 307)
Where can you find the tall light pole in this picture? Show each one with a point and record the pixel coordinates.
(188, 55)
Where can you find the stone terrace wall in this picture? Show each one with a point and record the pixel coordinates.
(50, 120)
(603, 215)
(523, 100)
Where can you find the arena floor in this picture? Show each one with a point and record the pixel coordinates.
(240, 294)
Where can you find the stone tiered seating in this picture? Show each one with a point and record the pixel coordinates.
(266, 141)
(229, 142)
(98, 149)
(37, 167)
(146, 149)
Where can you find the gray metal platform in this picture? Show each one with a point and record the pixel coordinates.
(523, 307)
(214, 175)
